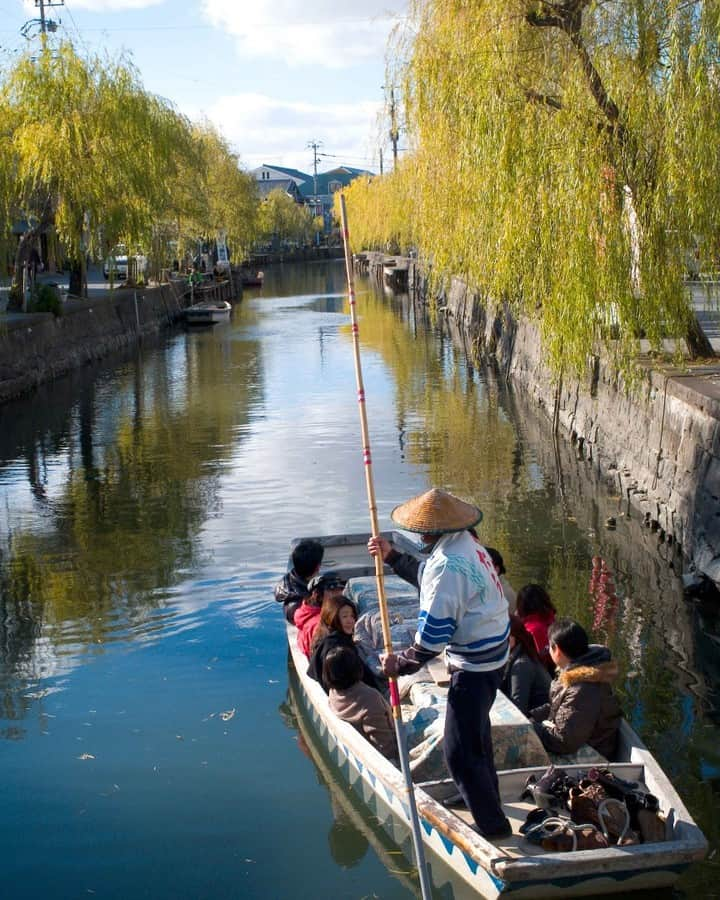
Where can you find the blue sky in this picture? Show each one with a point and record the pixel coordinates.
(271, 74)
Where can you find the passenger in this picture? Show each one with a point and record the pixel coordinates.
(292, 590)
(583, 708)
(340, 625)
(358, 703)
(325, 587)
(537, 613)
(462, 608)
(526, 681)
(508, 590)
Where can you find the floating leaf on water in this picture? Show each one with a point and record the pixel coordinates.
(179, 737)
(86, 756)
(273, 681)
(226, 716)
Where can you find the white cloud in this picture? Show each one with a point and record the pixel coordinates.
(265, 129)
(329, 33)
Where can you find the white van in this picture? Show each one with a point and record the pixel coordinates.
(116, 265)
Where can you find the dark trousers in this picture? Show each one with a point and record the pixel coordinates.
(468, 745)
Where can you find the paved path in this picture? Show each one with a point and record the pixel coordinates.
(97, 286)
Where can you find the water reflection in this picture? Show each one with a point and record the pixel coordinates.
(353, 829)
(121, 475)
(147, 507)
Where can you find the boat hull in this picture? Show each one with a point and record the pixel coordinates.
(201, 314)
(455, 853)
(446, 860)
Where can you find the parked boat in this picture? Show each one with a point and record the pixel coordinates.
(209, 312)
(509, 866)
(250, 279)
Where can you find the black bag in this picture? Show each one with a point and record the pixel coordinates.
(551, 790)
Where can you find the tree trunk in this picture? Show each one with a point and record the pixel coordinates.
(75, 286)
(697, 341)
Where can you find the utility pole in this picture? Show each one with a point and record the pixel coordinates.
(46, 25)
(381, 161)
(315, 146)
(394, 130)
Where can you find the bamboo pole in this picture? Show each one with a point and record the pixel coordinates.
(379, 573)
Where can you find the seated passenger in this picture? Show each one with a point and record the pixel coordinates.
(537, 613)
(526, 681)
(328, 586)
(499, 564)
(340, 624)
(356, 702)
(583, 708)
(292, 590)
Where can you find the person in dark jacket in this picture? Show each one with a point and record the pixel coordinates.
(526, 681)
(583, 708)
(292, 590)
(340, 634)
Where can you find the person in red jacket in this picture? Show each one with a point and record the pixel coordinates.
(307, 616)
(537, 613)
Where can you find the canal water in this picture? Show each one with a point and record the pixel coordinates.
(148, 743)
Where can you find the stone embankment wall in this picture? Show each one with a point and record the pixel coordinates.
(38, 347)
(658, 443)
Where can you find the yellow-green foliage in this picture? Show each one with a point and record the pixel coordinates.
(566, 165)
(86, 148)
(282, 218)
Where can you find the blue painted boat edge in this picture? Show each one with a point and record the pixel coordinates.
(673, 873)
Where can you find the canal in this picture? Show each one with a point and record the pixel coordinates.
(148, 744)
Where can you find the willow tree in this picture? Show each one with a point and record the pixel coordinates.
(92, 152)
(565, 158)
(282, 218)
(212, 194)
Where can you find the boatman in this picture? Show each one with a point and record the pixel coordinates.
(462, 611)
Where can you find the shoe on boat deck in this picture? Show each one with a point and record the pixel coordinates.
(499, 835)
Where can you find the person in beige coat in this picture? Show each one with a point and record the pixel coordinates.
(355, 702)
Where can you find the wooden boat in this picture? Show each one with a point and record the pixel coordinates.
(456, 852)
(249, 279)
(208, 312)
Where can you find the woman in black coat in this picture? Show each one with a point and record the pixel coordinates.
(526, 681)
(337, 624)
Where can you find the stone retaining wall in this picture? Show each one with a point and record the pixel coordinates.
(658, 444)
(38, 347)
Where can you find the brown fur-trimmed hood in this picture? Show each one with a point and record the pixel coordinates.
(603, 673)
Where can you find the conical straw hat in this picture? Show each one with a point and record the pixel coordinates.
(436, 512)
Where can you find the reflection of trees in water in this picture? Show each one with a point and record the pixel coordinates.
(307, 278)
(140, 450)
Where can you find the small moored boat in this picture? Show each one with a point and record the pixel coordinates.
(455, 851)
(209, 312)
(252, 279)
